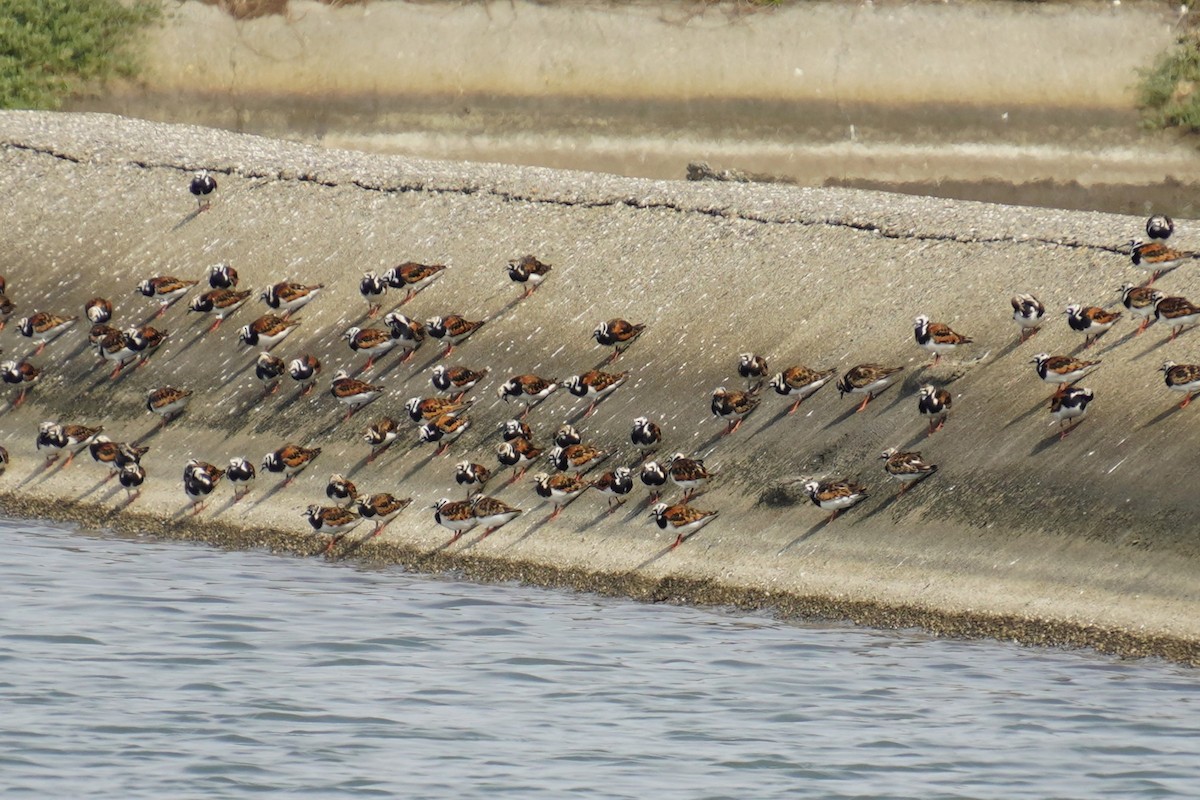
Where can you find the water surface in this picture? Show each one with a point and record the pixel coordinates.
(139, 669)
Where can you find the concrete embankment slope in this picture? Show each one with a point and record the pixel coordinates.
(1090, 540)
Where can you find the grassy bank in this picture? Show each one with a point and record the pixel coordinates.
(51, 49)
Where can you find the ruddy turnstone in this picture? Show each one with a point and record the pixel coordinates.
(1071, 404)
(453, 328)
(560, 488)
(74, 437)
(618, 334)
(645, 434)
(1028, 312)
(936, 337)
(471, 475)
(168, 402)
(566, 435)
(413, 277)
(266, 331)
(1156, 257)
(166, 289)
(1091, 321)
(115, 454)
(681, 519)
(145, 340)
(424, 409)
(290, 297)
(202, 185)
(336, 521)
(654, 477)
(375, 342)
(1061, 369)
(1182, 378)
(116, 347)
(98, 310)
(241, 474)
(457, 515)
(222, 276)
(341, 489)
(43, 327)
(1179, 312)
(407, 331)
(906, 467)
(868, 379)
(98, 331)
(595, 384)
(934, 402)
(800, 382)
(752, 367)
(372, 288)
(689, 474)
(132, 476)
(7, 308)
(381, 508)
(289, 460)
(835, 496)
(221, 303)
(457, 380)
(380, 434)
(517, 453)
(493, 514)
(1160, 226)
(20, 373)
(352, 392)
(529, 271)
(304, 371)
(513, 428)
(528, 388)
(576, 456)
(1140, 302)
(444, 430)
(614, 484)
(269, 369)
(199, 480)
(733, 406)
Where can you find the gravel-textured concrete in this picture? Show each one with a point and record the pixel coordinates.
(1088, 541)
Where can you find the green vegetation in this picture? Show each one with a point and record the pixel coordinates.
(1169, 93)
(50, 49)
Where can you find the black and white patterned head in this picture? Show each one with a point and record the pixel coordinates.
(371, 285)
(1160, 226)
(436, 327)
(653, 474)
(567, 436)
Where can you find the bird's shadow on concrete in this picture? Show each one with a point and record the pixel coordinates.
(418, 465)
(1163, 416)
(195, 212)
(1027, 413)
(666, 551)
(1010, 348)
(96, 486)
(815, 529)
(845, 415)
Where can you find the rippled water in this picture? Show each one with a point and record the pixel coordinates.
(135, 669)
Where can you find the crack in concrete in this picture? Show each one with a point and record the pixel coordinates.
(724, 213)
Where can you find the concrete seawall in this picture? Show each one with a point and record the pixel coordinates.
(1087, 541)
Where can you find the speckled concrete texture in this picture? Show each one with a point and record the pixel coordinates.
(1088, 541)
